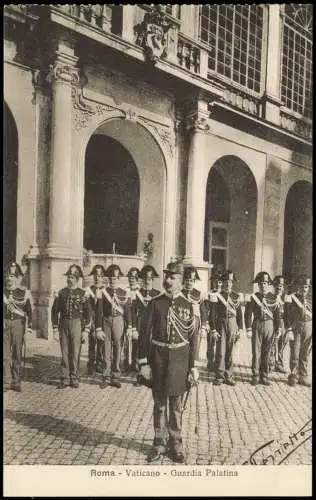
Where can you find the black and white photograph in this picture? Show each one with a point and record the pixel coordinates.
(157, 255)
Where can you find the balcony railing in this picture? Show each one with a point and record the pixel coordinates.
(189, 55)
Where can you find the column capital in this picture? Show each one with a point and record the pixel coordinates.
(64, 69)
(197, 121)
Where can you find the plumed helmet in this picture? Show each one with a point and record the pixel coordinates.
(303, 279)
(190, 272)
(113, 271)
(228, 275)
(15, 270)
(74, 270)
(262, 277)
(148, 270)
(98, 270)
(174, 268)
(133, 272)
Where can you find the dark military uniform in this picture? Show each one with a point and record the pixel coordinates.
(226, 319)
(112, 311)
(168, 341)
(299, 320)
(95, 354)
(262, 315)
(71, 314)
(17, 317)
(280, 342)
(211, 341)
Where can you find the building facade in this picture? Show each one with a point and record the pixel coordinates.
(137, 133)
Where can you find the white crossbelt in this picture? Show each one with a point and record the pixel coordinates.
(263, 306)
(299, 303)
(227, 305)
(113, 302)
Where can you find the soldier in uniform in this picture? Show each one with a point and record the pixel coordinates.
(279, 342)
(94, 292)
(167, 350)
(71, 316)
(132, 333)
(198, 300)
(298, 321)
(226, 325)
(262, 318)
(216, 286)
(112, 313)
(17, 322)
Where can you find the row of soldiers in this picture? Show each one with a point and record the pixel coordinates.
(105, 315)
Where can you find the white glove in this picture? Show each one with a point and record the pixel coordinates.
(134, 334)
(56, 334)
(249, 333)
(100, 335)
(278, 333)
(84, 335)
(193, 376)
(215, 335)
(289, 334)
(29, 331)
(145, 372)
(203, 333)
(129, 332)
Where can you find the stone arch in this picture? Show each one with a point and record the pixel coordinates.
(234, 236)
(146, 149)
(297, 240)
(10, 181)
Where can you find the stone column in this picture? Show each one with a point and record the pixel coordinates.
(197, 125)
(63, 75)
(272, 92)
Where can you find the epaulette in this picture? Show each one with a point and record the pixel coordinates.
(55, 294)
(212, 297)
(241, 296)
(288, 299)
(247, 297)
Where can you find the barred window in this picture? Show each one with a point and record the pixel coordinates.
(173, 10)
(296, 82)
(234, 36)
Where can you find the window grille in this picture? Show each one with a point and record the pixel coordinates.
(296, 81)
(234, 35)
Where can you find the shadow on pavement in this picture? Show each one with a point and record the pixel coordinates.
(72, 431)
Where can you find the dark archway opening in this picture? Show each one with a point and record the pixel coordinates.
(10, 186)
(111, 200)
(298, 223)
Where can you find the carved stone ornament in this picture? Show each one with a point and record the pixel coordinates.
(164, 132)
(84, 111)
(151, 34)
(196, 122)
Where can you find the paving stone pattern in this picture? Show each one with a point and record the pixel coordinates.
(89, 425)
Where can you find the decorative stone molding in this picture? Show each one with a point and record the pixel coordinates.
(152, 33)
(196, 121)
(64, 70)
(164, 132)
(130, 114)
(241, 100)
(296, 125)
(83, 110)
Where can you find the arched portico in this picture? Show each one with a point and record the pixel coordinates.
(231, 219)
(151, 172)
(298, 238)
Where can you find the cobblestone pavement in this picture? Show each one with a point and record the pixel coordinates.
(89, 425)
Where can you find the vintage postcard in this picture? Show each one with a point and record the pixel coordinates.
(157, 250)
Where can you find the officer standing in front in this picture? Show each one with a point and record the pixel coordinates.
(94, 292)
(17, 322)
(226, 321)
(113, 313)
(262, 318)
(71, 316)
(299, 321)
(168, 350)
